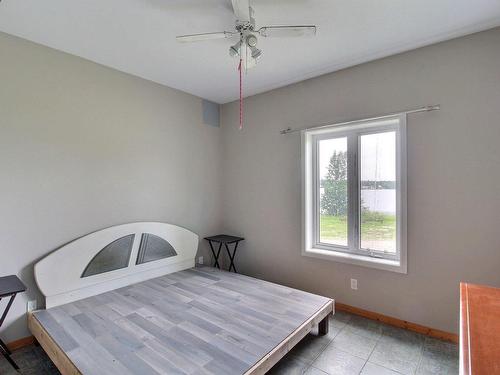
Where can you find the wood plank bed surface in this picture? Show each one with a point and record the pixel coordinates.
(197, 321)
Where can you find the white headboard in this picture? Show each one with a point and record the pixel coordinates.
(62, 276)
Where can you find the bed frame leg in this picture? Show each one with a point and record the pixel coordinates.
(323, 326)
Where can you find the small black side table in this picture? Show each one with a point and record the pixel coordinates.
(223, 239)
(9, 287)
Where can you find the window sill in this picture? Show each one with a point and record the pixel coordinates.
(359, 260)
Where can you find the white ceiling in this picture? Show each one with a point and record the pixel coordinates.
(138, 36)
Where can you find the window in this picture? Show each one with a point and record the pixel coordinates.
(354, 193)
(114, 256)
(153, 248)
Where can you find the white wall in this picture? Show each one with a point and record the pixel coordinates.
(453, 177)
(84, 147)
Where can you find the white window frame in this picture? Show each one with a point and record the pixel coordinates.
(353, 254)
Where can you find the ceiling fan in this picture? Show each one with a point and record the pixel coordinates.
(246, 47)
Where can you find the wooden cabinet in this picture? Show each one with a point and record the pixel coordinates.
(479, 330)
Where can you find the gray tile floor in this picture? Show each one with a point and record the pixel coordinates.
(31, 360)
(354, 345)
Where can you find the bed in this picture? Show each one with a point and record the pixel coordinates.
(128, 300)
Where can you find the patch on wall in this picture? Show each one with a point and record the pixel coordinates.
(211, 113)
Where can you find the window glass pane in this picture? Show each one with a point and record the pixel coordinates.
(153, 248)
(332, 155)
(114, 256)
(378, 191)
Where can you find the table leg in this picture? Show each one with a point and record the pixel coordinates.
(3, 347)
(231, 258)
(8, 358)
(7, 308)
(216, 256)
(5, 312)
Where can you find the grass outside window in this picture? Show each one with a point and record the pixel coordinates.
(377, 228)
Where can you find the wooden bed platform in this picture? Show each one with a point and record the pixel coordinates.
(196, 321)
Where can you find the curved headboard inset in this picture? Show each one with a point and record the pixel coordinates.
(112, 258)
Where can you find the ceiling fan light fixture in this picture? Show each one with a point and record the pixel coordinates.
(256, 53)
(235, 49)
(251, 40)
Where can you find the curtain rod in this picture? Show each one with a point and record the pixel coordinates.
(427, 108)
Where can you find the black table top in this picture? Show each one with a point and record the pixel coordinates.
(11, 285)
(224, 238)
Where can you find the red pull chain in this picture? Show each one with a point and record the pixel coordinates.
(241, 93)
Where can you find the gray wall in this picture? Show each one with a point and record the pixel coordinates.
(453, 177)
(84, 147)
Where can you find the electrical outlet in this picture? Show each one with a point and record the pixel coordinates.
(200, 260)
(31, 305)
(354, 284)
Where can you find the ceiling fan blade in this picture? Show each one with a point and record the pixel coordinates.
(241, 9)
(287, 31)
(202, 37)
